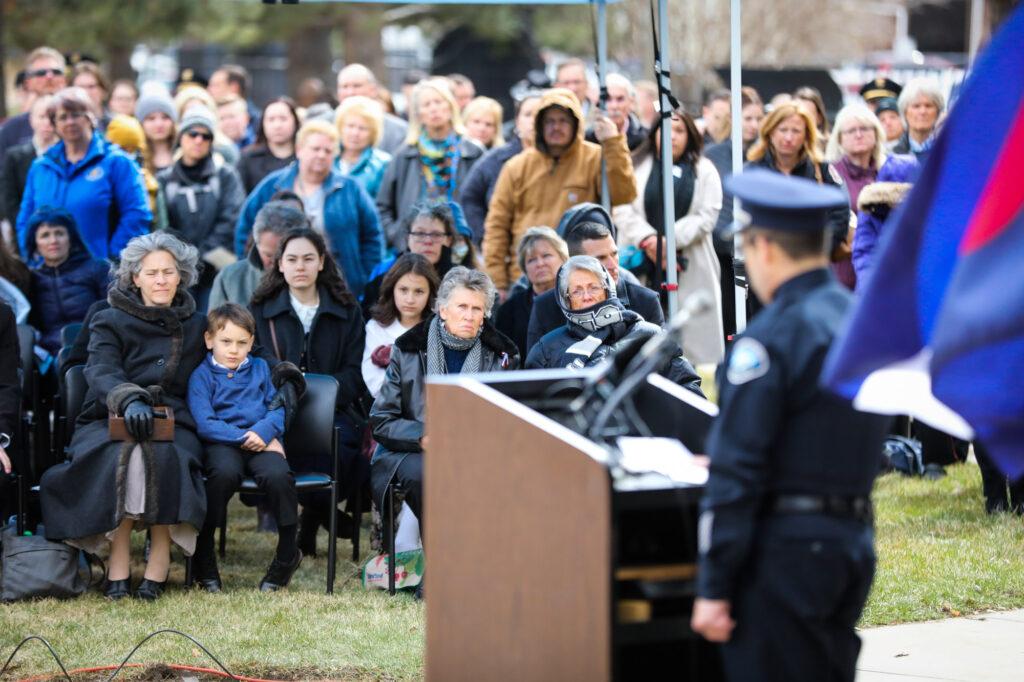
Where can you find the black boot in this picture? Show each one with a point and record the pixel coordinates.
(204, 564)
(279, 574)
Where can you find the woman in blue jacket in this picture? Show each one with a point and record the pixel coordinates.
(337, 207)
(67, 281)
(97, 183)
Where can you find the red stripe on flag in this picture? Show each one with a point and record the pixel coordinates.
(1003, 196)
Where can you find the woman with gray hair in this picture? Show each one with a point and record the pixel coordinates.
(598, 325)
(921, 105)
(142, 351)
(458, 339)
(93, 179)
(540, 253)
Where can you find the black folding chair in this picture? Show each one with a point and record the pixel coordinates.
(313, 432)
(69, 333)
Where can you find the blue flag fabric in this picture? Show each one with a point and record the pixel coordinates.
(938, 332)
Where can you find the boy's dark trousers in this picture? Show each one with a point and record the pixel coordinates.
(226, 467)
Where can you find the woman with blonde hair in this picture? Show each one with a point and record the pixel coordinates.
(436, 158)
(483, 117)
(856, 149)
(788, 144)
(360, 122)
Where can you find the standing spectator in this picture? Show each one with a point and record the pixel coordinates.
(874, 91)
(189, 96)
(127, 133)
(752, 113)
(647, 104)
(479, 185)
(406, 299)
(572, 75)
(203, 197)
(306, 315)
(88, 76)
(67, 281)
(337, 207)
(124, 95)
(621, 103)
(541, 253)
(462, 89)
(716, 117)
(483, 117)
(874, 203)
(15, 284)
(141, 352)
(44, 75)
(537, 186)
(788, 144)
(360, 122)
(856, 150)
(233, 119)
(697, 191)
(816, 108)
(888, 112)
(275, 143)
(432, 231)
(434, 162)
(10, 398)
(158, 115)
(921, 103)
(19, 158)
(356, 79)
(94, 180)
(236, 282)
(232, 80)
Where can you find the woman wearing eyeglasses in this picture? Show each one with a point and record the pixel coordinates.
(203, 196)
(597, 325)
(92, 179)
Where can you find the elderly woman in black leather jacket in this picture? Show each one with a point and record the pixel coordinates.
(597, 324)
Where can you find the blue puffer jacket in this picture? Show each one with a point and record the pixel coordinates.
(62, 295)
(369, 170)
(104, 187)
(875, 203)
(351, 225)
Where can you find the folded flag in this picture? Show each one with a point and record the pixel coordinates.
(938, 332)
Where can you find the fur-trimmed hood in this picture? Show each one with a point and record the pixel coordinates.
(888, 194)
(415, 340)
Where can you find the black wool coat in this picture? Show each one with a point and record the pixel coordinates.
(397, 415)
(136, 352)
(333, 346)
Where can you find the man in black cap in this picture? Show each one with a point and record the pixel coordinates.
(785, 533)
(878, 89)
(888, 111)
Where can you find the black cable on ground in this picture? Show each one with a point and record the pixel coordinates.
(174, 632)
(47, 645)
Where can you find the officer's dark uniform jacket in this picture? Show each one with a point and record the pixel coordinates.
(780, 433)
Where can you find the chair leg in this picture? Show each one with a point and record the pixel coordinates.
(21, 492)
(357, 522)
(390, 532)
(332, 538)
(188, 571)
(224, 536)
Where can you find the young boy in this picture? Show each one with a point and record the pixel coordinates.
(228, 395)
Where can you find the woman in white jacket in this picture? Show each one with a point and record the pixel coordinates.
(698, 199)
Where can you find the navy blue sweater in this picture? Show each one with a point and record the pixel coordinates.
(227, 403)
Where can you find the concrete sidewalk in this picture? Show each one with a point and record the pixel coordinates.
(986, 647)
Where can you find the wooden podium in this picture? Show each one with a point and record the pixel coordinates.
(541, 565)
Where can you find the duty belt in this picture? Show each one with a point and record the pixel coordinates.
(856, 508)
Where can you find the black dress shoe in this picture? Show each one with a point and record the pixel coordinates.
(279, 574)
(204, 567)
(117, 589)
(211, 585)
(149, 590)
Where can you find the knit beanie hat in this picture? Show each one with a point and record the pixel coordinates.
(195, 116)
(126, 133)
(154, 101)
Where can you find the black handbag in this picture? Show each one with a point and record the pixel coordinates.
(34, 567)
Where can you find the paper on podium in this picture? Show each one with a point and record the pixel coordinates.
(665, 456)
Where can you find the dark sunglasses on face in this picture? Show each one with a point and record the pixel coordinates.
(195, 133)
(40, 73)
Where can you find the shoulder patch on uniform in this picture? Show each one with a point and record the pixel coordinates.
(748, 361)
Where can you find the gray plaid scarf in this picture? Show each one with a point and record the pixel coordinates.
(438, 338)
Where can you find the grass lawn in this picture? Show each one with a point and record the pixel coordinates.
(299, 633)
(939, 556)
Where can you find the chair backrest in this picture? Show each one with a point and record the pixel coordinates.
(26, 345)
(312, 431)
(69, 333)
(72, 398)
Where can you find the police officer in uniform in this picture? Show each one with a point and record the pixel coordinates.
(786, 538)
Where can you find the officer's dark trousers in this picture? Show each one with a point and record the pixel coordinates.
(799, 599)
(227, 465)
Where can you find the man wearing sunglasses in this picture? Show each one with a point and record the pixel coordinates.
(44, 75)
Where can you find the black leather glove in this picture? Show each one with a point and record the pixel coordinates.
(288, 398)
(138, 419)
